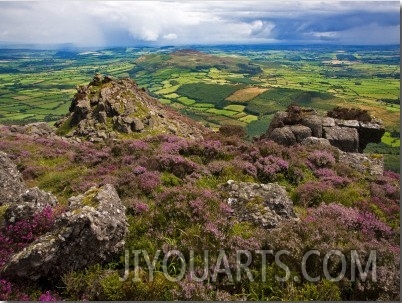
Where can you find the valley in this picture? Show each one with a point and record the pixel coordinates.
(216, 85)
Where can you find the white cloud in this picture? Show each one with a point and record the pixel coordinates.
(105, 22)
(170, 36)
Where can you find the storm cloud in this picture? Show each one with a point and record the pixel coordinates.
(125, 23)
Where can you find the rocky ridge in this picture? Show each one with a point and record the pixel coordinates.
(108, 108)
(349, 135)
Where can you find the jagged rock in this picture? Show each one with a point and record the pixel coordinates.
(22, 203)
(263, 204)
(322, 142)
(33, 200)
(277, 121)
(137, 125)
(328, 122)
(98, 79)
(283, 135)
(81, 111)
(369, 133)
(315, 124)
(90, 233)
(300, 132)
(345, 138)
(102, 135)
(11, 184)
(366, 164)
(131, 110)
(17, 129)
(120, 125)
(348, 123)
(37, 129)
(102, 117)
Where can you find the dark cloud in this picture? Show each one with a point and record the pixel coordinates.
(184, 22)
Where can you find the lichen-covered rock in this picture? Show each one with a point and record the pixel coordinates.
(314, 123)
(367, 164)
(344, 138)
(314, 141)
(91, 232)
(283, 135)
(30, 202)
(11, 184)
(263, 204)
(300, 132)
(369, 133)
(35, 130)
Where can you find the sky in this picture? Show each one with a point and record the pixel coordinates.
(159, 23)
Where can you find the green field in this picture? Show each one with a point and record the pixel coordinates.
(214, 85)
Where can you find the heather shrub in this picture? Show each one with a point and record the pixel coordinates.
(136, 207)
(91, 156)
(190, 290)
(244, 166)
(347, 171)
(172, 145)
(311, 193)
(324, 173)
(5, 290)
(328, 190)
(208, 150)
(31, 172)
(176, 164)
(149, 181)
(48, 297)
(83, 285)
(217, 167)
(295, 175)
(232, 131)
(334, 226)
(16, 236)
(269, 166)
(130, 148)
(170, 187)
(321, 158)
(196, 219)
(349, 114)
(273, 290)
(266, 148)
(336, 181)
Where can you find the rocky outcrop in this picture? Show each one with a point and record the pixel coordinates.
(35, 130)
(32, 201)
(11, 184)
(109, 108)
(366, 164)
(91, 232)
(263, 204)
(22, 202)
(344, 138)
(296, 124)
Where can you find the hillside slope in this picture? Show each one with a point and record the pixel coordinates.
(101, 202)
